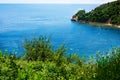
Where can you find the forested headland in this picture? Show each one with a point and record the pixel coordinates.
(108, 14)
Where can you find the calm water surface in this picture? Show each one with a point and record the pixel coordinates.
(20, 21)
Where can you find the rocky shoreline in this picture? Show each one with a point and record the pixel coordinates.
(75, 18)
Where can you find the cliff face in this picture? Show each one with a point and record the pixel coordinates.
(74, 18)
(106, 13)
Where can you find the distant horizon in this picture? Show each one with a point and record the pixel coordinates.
(55, 2)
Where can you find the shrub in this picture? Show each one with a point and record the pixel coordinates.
(108, 65)
(38, 49)
(56, 65)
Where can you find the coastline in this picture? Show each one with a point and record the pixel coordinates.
(100, 24)
(74, 18)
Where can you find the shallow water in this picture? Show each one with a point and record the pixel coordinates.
(20, 21)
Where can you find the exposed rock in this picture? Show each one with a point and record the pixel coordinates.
(74, 18)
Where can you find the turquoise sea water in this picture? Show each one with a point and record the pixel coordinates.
(20, 21)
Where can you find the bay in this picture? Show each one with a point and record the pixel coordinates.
(20, 21)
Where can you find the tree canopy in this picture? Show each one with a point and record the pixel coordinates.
(105, 13)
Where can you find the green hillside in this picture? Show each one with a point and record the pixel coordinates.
(105, 13)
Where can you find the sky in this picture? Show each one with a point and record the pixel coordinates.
(58, 1)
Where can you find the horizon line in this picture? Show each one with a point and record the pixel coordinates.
(51, 3)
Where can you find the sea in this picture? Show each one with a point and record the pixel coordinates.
(21, 21)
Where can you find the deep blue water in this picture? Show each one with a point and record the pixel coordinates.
(20, 21)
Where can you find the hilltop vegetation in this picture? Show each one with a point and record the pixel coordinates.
(105, 13)
(41, 62)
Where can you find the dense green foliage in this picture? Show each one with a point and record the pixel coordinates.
(41, 62)
(106, 13)
(38, 49)
(108, 65)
